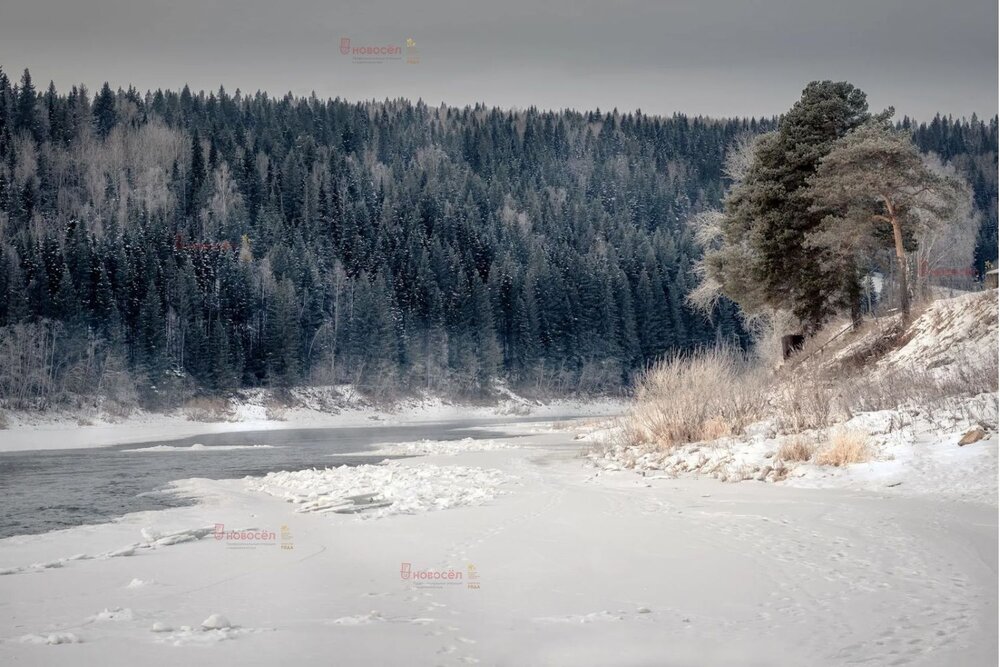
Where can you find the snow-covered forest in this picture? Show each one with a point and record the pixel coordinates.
(162, 242)
(568, 334)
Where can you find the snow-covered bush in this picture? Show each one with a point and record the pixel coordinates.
(702, 396)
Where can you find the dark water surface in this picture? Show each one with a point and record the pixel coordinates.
(53, 489)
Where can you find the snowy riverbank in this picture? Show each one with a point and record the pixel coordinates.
(317, 407)
(909, 452)
(534, 556)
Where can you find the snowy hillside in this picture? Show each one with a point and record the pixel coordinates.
(950, 332)
(925, 390)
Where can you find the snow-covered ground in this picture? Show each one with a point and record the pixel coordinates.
(549, 545)
(949, 332)
(910, 452)
(315, 407)
(519, 555)
(912, 448)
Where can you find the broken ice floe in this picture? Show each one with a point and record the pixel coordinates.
(383, 490)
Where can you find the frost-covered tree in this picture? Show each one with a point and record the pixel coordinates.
(877, 189)
(761, 260)
(728, 256)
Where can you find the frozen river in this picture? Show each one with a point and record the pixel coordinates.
(54, 489)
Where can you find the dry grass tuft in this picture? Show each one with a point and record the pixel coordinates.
(796, 450)
(845, 448)
(805, 402)
(715, 428)
(627, 433)
(208, 409)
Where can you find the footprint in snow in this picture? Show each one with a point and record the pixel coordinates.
(114, 614)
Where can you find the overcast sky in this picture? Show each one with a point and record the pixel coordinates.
(711, 57)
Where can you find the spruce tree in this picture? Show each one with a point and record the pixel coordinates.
(105, 115)
(27, 114)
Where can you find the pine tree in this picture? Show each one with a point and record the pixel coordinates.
(875, 181)
(772, 211)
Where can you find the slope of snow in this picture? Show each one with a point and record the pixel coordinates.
(951, 331)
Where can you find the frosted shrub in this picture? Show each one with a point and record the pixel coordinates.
(805, 403)
(702, 396)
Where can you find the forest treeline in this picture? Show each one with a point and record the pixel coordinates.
(163, 242)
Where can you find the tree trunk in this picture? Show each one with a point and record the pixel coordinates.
(904, 290)
(852, 288)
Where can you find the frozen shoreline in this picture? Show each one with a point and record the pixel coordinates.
(573, 566)
(55, 432)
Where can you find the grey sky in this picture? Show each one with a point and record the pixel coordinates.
(713, 57)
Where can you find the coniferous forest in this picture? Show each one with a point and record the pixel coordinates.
(163, 242)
